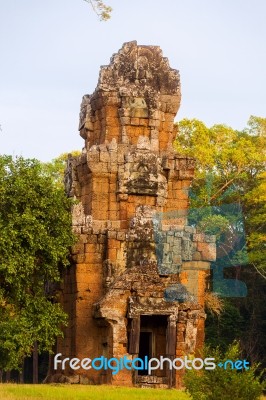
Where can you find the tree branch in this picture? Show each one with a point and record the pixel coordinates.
(258, 271)
(102, 10)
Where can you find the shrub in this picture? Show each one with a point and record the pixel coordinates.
(224, 383)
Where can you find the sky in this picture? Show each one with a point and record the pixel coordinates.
(51, 52)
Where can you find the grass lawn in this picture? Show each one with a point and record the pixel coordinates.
(82, 392)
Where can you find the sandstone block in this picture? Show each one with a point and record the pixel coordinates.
(208, 251)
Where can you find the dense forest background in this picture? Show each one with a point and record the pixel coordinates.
(229, 193)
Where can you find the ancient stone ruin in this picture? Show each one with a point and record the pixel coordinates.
(136, 286)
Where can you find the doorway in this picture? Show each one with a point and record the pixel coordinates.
(145, 348)
(152, 340)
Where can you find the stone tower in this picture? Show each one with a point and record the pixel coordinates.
(137, 282)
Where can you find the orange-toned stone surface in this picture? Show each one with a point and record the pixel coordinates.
(117, 290)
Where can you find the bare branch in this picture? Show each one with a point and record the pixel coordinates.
(102, 10)
(258, 271)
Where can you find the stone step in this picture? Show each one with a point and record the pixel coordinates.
(152, 386)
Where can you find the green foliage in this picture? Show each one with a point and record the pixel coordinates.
(230, 169)
(214, 225)
(257, 126)
(255, 206)
(224, 383)
(223, 329)
(35, 226)
(56, 168)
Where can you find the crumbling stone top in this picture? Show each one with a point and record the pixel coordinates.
(138, 95)
(139, 67)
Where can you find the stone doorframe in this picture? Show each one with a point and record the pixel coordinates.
(183, 322)
(184, 332)
(135, 311)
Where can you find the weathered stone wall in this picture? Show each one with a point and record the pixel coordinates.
(125, 266)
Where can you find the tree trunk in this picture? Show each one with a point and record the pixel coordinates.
(8, 376)
(21, 373)
(35, 363)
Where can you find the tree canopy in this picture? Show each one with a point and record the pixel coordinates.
(35, 226)
(230, 170)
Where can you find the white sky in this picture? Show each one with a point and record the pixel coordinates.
(51, 51)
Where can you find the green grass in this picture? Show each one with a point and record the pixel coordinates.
(82, 392)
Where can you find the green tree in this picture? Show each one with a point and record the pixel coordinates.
(224, 328)
(224, 382)
(256, 126)
(56, 167)
(36, 235)
(230, 169)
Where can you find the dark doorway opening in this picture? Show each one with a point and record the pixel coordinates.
(152, 340)
(145, 348)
